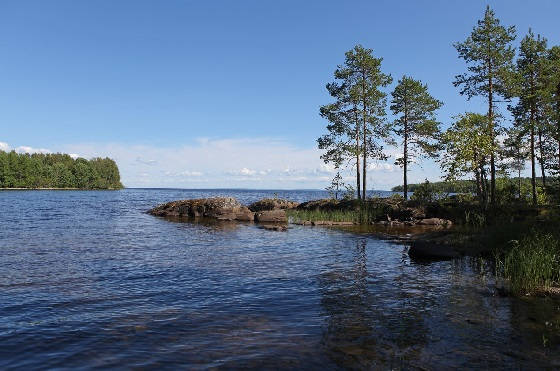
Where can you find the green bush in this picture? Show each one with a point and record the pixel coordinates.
(426, 193)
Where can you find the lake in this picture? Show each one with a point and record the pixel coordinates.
(89, 280)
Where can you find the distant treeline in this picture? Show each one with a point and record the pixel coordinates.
(57, 171)
(462, 186)
(458, 186)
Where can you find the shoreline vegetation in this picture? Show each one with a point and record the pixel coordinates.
(520, 241)
(496, 213)
(56, 171)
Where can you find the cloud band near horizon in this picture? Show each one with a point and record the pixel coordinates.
(259, 163)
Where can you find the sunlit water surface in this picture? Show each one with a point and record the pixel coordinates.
(88, 279)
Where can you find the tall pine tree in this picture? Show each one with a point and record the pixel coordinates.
(416, 124)
(529, 109)
(357, 118)
(489, 56)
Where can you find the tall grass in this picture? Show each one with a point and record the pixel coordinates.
(366, 213)
(532, 263)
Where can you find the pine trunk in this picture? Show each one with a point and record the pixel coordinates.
(358, 157)
(533, 172)
(519, 181)
(478, 180)
(364, 164)
(532, 118)
(405, 152)
(484, 181)
(491, 127)
(558, 121)
(405, 155)
(357, 151)
(541, 158)
(364, 118)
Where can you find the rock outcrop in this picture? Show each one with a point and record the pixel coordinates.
(267, 204)
(220, 208)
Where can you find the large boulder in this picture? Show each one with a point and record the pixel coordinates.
(221, 208)
(272, 204)
(271, 216)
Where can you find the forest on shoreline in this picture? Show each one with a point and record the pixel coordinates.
(482, 155)
(469, 186)
(57, 171)
(487, 148)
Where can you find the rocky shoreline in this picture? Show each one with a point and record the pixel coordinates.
(271, 214)
(274, 211)
(226, 208)
(430, 237)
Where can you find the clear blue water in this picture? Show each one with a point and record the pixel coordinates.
(88, 280)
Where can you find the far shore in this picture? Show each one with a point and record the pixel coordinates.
(59, 189)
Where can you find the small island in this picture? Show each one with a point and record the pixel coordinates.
(57, 171)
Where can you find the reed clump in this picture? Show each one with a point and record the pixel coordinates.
(532, 263)
(363, 214)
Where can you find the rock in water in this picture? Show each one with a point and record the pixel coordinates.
(271, 216)
(274, 227)
(424, 250)
(220, 208)
(435, 221)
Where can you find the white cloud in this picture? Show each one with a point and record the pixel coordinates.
(246, 171)
(146, 162)
(4, 147)
(223, 163)
(26, 149)
(381, 166)
(185, 173)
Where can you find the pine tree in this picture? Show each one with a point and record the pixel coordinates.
(416, 124)
(489, 55)
(357, 119)
(342, 143)
(552, 102)
(530, 90)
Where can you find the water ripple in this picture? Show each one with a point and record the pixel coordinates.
(89, 280)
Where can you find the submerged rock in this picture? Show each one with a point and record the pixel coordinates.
(435, 221)
(328, 222)
(274, 227)
(220, 208)
(432, 251)
(271, 216)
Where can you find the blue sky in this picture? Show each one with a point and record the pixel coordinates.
(220, 93)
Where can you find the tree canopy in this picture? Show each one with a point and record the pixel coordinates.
(57, 171)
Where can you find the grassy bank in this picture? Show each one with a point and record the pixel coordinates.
(530, 262)
(523, 241)
(360, 213)
(526, 254)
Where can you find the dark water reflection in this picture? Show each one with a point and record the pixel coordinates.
(89, 280)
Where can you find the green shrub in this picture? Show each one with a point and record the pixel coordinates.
(426, 193)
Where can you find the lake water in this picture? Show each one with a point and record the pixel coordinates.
(88, 279)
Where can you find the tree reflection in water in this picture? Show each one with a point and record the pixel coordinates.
(365, 330)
